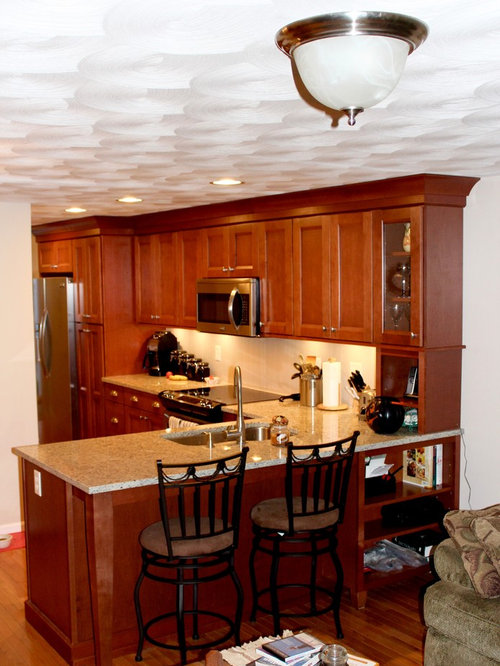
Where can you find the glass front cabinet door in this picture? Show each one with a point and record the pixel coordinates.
(397, 278)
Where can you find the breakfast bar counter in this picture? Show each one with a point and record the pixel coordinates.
(86, 502)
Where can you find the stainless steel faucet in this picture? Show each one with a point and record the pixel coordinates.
(239, 432)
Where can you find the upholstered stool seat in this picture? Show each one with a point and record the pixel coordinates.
(303, 524)
(193, 543)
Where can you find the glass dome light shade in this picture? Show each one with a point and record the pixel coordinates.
(355, 71)
(351, 60)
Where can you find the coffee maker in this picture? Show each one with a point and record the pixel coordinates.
(158, 349)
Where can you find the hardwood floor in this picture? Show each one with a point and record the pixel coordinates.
(390, 629)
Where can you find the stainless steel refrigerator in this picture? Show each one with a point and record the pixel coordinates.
(55, 359)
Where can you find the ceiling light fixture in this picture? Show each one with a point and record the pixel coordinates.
(350, 61)
(75, 209)
(226, 181)
(129, 200)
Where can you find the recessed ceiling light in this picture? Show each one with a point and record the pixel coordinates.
(226, 181)
(129, 200)
(75, 209)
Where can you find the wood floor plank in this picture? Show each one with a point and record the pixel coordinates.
(390, 629)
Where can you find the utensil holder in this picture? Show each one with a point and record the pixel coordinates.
(311, 390)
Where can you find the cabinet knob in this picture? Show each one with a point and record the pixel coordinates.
(144, 418)
(230, 268)
(86, 316)
(325, 328)
(54, 265)
(134, 398)
(113, 393)
(86, 330)
(413, 335)
(114, 419)
(333, 329)
(156, 405)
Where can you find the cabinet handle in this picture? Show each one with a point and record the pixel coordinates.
(113, 393)
(225, 269)
(156, 405)
(144, 418)
(54, 265)
(114, 419)
(134, 398)
(86, 316)
(230, 268)
(86, 330)
(413, 335)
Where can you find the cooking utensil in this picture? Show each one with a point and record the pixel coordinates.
(292, 396)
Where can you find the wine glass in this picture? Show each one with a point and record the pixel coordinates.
(396, 310)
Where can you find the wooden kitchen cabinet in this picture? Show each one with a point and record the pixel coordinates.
(364, 524)
(230, 251)
(418, 293)
(87, 267)
(55, 257)
(189, 258)
(90, 368)
(143, 412)
(276, 277)
(156, 279)
(332, 277)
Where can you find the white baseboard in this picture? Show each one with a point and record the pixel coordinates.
(11, 528)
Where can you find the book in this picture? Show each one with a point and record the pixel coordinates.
(438, 464)
(289, 650)
(418, 466)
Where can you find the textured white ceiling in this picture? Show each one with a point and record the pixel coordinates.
(102, 98)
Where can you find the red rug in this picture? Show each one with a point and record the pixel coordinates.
(18, 541)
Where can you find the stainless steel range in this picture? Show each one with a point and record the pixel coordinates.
(204, 405)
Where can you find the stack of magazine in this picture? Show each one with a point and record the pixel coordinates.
(301, 649)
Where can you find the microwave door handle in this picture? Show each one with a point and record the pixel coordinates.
(230, 307)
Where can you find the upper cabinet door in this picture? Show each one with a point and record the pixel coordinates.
(351, 277)
(156, 279)
(276, 273)
(398, 276)
(230, 251)
(311, 277)
(55, 257)
(87, 278)
(189, 270)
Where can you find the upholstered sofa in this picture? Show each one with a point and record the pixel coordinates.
(462, 609)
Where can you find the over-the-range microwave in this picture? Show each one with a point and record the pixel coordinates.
(228, 305)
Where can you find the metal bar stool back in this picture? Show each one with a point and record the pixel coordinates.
(303, 524)
(192, 544)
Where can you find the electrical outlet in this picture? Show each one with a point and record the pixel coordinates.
(218, 353)
(37, 478)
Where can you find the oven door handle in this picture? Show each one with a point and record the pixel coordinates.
(230, 307)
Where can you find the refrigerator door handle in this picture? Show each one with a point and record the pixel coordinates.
(42, 342)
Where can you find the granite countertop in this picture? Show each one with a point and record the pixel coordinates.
(150, 384)
(113, 463)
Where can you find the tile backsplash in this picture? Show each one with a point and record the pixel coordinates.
(267, 363)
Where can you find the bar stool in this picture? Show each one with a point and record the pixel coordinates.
(193, 543)
(303, 524)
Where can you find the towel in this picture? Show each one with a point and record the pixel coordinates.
(175, 422)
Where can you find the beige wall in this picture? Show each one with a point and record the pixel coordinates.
(17, 364)
(268, 363)
(481, 358)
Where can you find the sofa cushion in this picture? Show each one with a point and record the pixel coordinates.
(448, 564)
(487, 531)
(477, 563)
(465, 618)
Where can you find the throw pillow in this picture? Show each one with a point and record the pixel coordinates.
(482, 572)
(487, 531)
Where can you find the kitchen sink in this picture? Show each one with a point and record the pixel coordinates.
(253, 433)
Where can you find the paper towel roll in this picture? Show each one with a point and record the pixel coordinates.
(331, 383)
